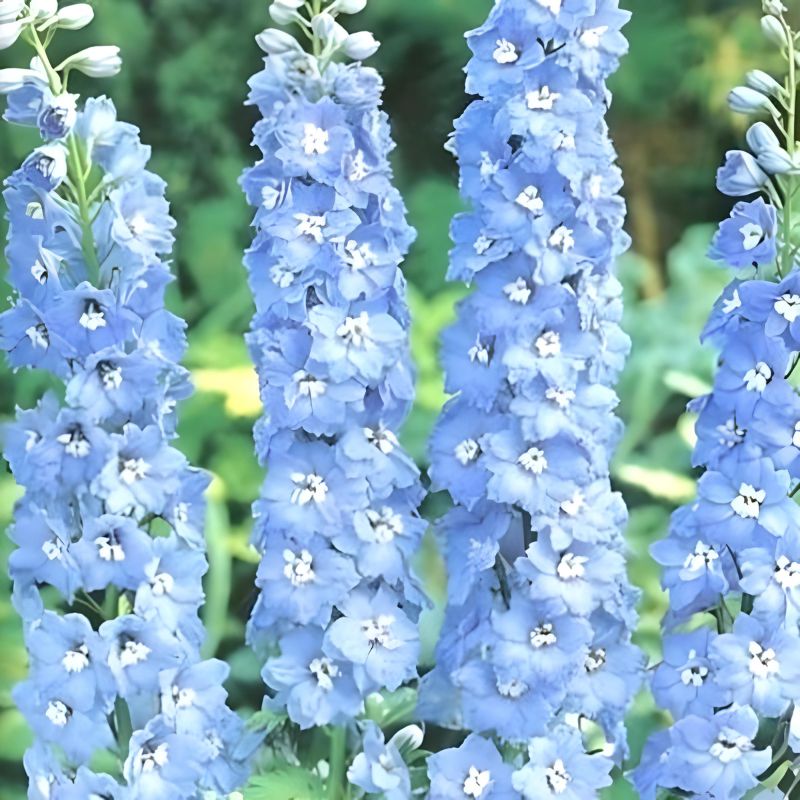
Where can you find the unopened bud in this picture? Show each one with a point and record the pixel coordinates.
(275, 42)
(328, 29)
(12, 79)
(745, 100)
(774, 31)
(74, 17)
(284, 12)
(348, 6)
(361, 45)
(43, 9)
(101, 61)
(10, 10)
(774, 7)
(9, 33)
(763, 82)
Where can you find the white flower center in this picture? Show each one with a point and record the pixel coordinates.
(482, 244)
(382, 438)
(594, 186)
(557, 777)
(788, 306)
(315, 140)
(324, 670)
(54, 549)
(533, 460)
(595, 660)
(505, 53)
(763, 662)
(358, 168)
(76, 660)
(308, 385)
(153, 759)
(467, 451)
(574, 505)
(480, 352)
(564, 141)
(109, 548)
(133, 470)
(787, 573)
(543, 636)
(530, 200)
(385, 524)
(298, 568)
(571, 566)
(756, 379)
(133, 653)
(518, 291)
(378, 630)
(752, 235)
(93, 317)
(311, 225)
(355, 330)
(34, 210)
(730, 434)
(358, 256)
(512, 689)
(162, 584)
(561, 397)
(138, 225)
(58, 713)
(701, 558)
(747, 504)
(592, 37)
(38, 335)
(184, 698)
(110, 375)
(730, 746)
(694, 676)
(476, 781)
(75, 443)
(541, 99)
(730, 304)
(283, 275)
(549, 344)
(562, 239)
(308, 488)
(489, 167)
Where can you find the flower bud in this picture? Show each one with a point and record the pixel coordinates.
(740, 175)
(348, 6)
(774, 7)
(10, 10)
(12, 79)
(284, 12)
(361, 45)
(43, 9)
(74, 17)
(761, 138)
(9, 33)
(775, 161)
(101, 61)
(763, 82)
(328, 29)
(745, 100)
(275, 42)
(774, 31)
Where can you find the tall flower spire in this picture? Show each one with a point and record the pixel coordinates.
(110, 551)
(536, 649)
(337, 522)
(731, 662)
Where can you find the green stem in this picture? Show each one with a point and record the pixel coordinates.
(338, 754)
(123, 727)
(56, 86)
(791, 144)
(77, 171)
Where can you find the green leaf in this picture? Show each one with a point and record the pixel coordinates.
(288, 783)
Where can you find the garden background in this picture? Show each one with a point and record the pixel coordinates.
(184, 83)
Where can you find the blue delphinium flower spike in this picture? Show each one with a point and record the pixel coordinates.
(337, 522)
(537, 631)
(731, 563)
(110, 524)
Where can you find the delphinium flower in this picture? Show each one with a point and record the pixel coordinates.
(535, 658)
(730, 675)
(109, 554)
(336, 524)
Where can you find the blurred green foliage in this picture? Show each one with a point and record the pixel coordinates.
(187, 62)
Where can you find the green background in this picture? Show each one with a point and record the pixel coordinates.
(184, 83)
